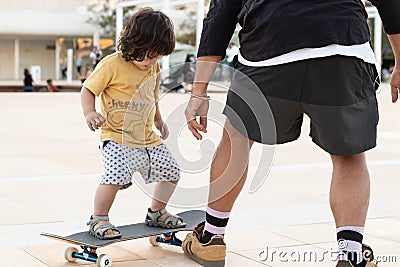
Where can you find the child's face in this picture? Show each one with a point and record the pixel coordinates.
(147, 62)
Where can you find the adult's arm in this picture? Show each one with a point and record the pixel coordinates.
(389, 10)
(218, 28)
(395, 78)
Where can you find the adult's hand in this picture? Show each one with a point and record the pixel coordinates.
(395, 84)
(197, 108)
(394, 40)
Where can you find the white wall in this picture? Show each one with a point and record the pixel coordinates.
(42, 5)
(46, 5)
(6, 59)
(34, 52)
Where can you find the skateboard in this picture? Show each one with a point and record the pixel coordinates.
(158, 235)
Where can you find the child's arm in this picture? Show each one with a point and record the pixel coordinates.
(94, 120)
(159, 123)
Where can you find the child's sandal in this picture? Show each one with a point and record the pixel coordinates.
(100, 231)
(171, 222)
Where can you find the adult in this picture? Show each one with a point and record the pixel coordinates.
(96, 55)
(305, 57)
(231, 51)
(86, 73)
(78, 63)
(28, 81)
(228, 64)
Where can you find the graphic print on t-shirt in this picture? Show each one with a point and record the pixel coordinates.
(133, 116)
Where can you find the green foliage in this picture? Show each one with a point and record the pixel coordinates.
(104, 18)
(186, 33)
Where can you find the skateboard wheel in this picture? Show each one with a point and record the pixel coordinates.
(68, 253)
(153, 240)
(103, 261)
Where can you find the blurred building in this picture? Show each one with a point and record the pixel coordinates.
(39, 33)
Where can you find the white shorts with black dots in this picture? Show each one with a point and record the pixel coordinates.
(155, 164)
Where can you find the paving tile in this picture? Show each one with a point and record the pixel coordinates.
(309, 233)
(53, 255)
(144, 249)
(239, 260)
(302, 256)
(388, 228)
(250, 239)
(138, 263)
(17, 257)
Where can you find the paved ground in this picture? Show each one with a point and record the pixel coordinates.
(50, 167)
(18, 85)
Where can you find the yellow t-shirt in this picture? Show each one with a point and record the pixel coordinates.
(128, 97)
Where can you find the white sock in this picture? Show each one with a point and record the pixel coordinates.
(350, 240)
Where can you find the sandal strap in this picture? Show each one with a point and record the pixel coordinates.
(102, 229)
(161, 212)
(153, 216)
(107, 226)
(173, 219)
(97, 219)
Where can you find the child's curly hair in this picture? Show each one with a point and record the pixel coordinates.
(147, 33)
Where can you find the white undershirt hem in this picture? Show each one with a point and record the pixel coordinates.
(362, 51)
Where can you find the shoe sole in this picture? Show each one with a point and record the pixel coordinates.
(204, 262)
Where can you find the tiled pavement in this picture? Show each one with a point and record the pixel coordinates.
(50, 168)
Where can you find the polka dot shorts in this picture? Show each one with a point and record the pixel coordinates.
(155, 164)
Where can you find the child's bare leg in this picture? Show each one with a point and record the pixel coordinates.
(103, 200)
(162, 193)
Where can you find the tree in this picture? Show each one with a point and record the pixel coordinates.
(186, 33)
(103, 17)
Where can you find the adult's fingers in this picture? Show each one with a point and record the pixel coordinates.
(395, 94)
(203, 122)
(194, 127)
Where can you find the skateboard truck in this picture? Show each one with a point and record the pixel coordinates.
(88, 254)
(168, 238)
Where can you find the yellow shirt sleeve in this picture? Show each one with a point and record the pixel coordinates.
(100, 78)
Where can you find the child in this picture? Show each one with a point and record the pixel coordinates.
(50, 86)
(128, 82)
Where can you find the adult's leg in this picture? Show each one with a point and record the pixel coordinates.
(205, 244)
(350, 190)
(229, 169)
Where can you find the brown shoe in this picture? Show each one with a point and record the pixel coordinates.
(211, 254)
(369, 257)
(343, 263)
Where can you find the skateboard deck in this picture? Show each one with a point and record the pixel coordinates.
(131, 231)
(157, 235)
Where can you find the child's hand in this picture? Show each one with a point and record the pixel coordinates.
(163, 128)
(94, 120)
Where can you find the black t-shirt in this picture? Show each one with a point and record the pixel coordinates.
(274, 27)
(28, 80)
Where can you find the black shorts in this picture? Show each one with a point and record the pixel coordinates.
(267, 104)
